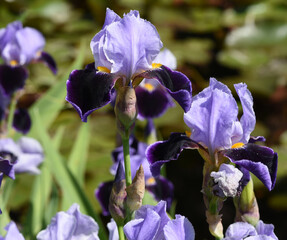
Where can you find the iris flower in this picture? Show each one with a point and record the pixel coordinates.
(243, 230)
(152, 222)
(124, 52)
(72, 225)
(18, 47)
(216, 129)
(12, 232)
(25, 155)
(159, 187)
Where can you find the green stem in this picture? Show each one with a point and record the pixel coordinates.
(126, 148)
(11, 115)
(121, 232)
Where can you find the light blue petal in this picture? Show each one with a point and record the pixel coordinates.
(212, 115)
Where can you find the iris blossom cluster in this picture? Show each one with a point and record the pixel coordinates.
(216, 130)
(19, 46)
(124, 53)
(160, 187)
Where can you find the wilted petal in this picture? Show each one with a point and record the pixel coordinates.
(239, 231)
(176, 83)
(88, 90)
(22, 120)
(49, 61)
(12, 78)
(227, 178)
(212, 115)
(143, 228)
(131, 45)
(102, 193)
(179, 229)
(261, 161)
(165, 151)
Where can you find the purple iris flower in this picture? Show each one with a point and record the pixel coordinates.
(243, 230)
(215, 128)
(12, 232)
(152, 98)
(18, 47)
(26, 154)
(152, 222)
(124, 52)
(159, 187)
(70, 225)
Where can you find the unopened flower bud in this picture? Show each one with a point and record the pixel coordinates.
(125, 108)
(135, 192)
(118, 196)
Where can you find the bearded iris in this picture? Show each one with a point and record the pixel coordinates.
(216, 129)
(123, 51)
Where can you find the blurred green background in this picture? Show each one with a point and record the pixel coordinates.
(233, 41)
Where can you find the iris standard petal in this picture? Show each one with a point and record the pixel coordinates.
(176, 83)
(154, 103)
(12, 78)
(165, 151)
(248, 119)
(30, 41)
(8, 33)
(260, 160)
(47, 59)
(166, 58)
(266, 229)
(211, 116)
(88, 90)
(179, 229)
(113, 230)
(13, 232)
(239, 230)
(131, 45)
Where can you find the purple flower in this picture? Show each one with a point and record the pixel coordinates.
(152, 222)
(70, 225)
(18, 47)
(12, 232)
(26, 154)
(159, 187)
(243, 230)
(152, 98)
(215, 128)
(124, 51)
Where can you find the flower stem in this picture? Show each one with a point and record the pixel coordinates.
(126, 148)
(121, 232)
(11, 114)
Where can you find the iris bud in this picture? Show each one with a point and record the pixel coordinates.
(135, 192)
(125, 108)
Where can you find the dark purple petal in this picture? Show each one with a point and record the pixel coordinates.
(261, 161)
(152, 104)
(22, 121)
(165, 151)
(4, 101)
(49, 61)
(12, 78)
(176, 83)
(88, 90)
(256, 139)
(7, 168)
(102, 193)
(245, 178)
(163, 189)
